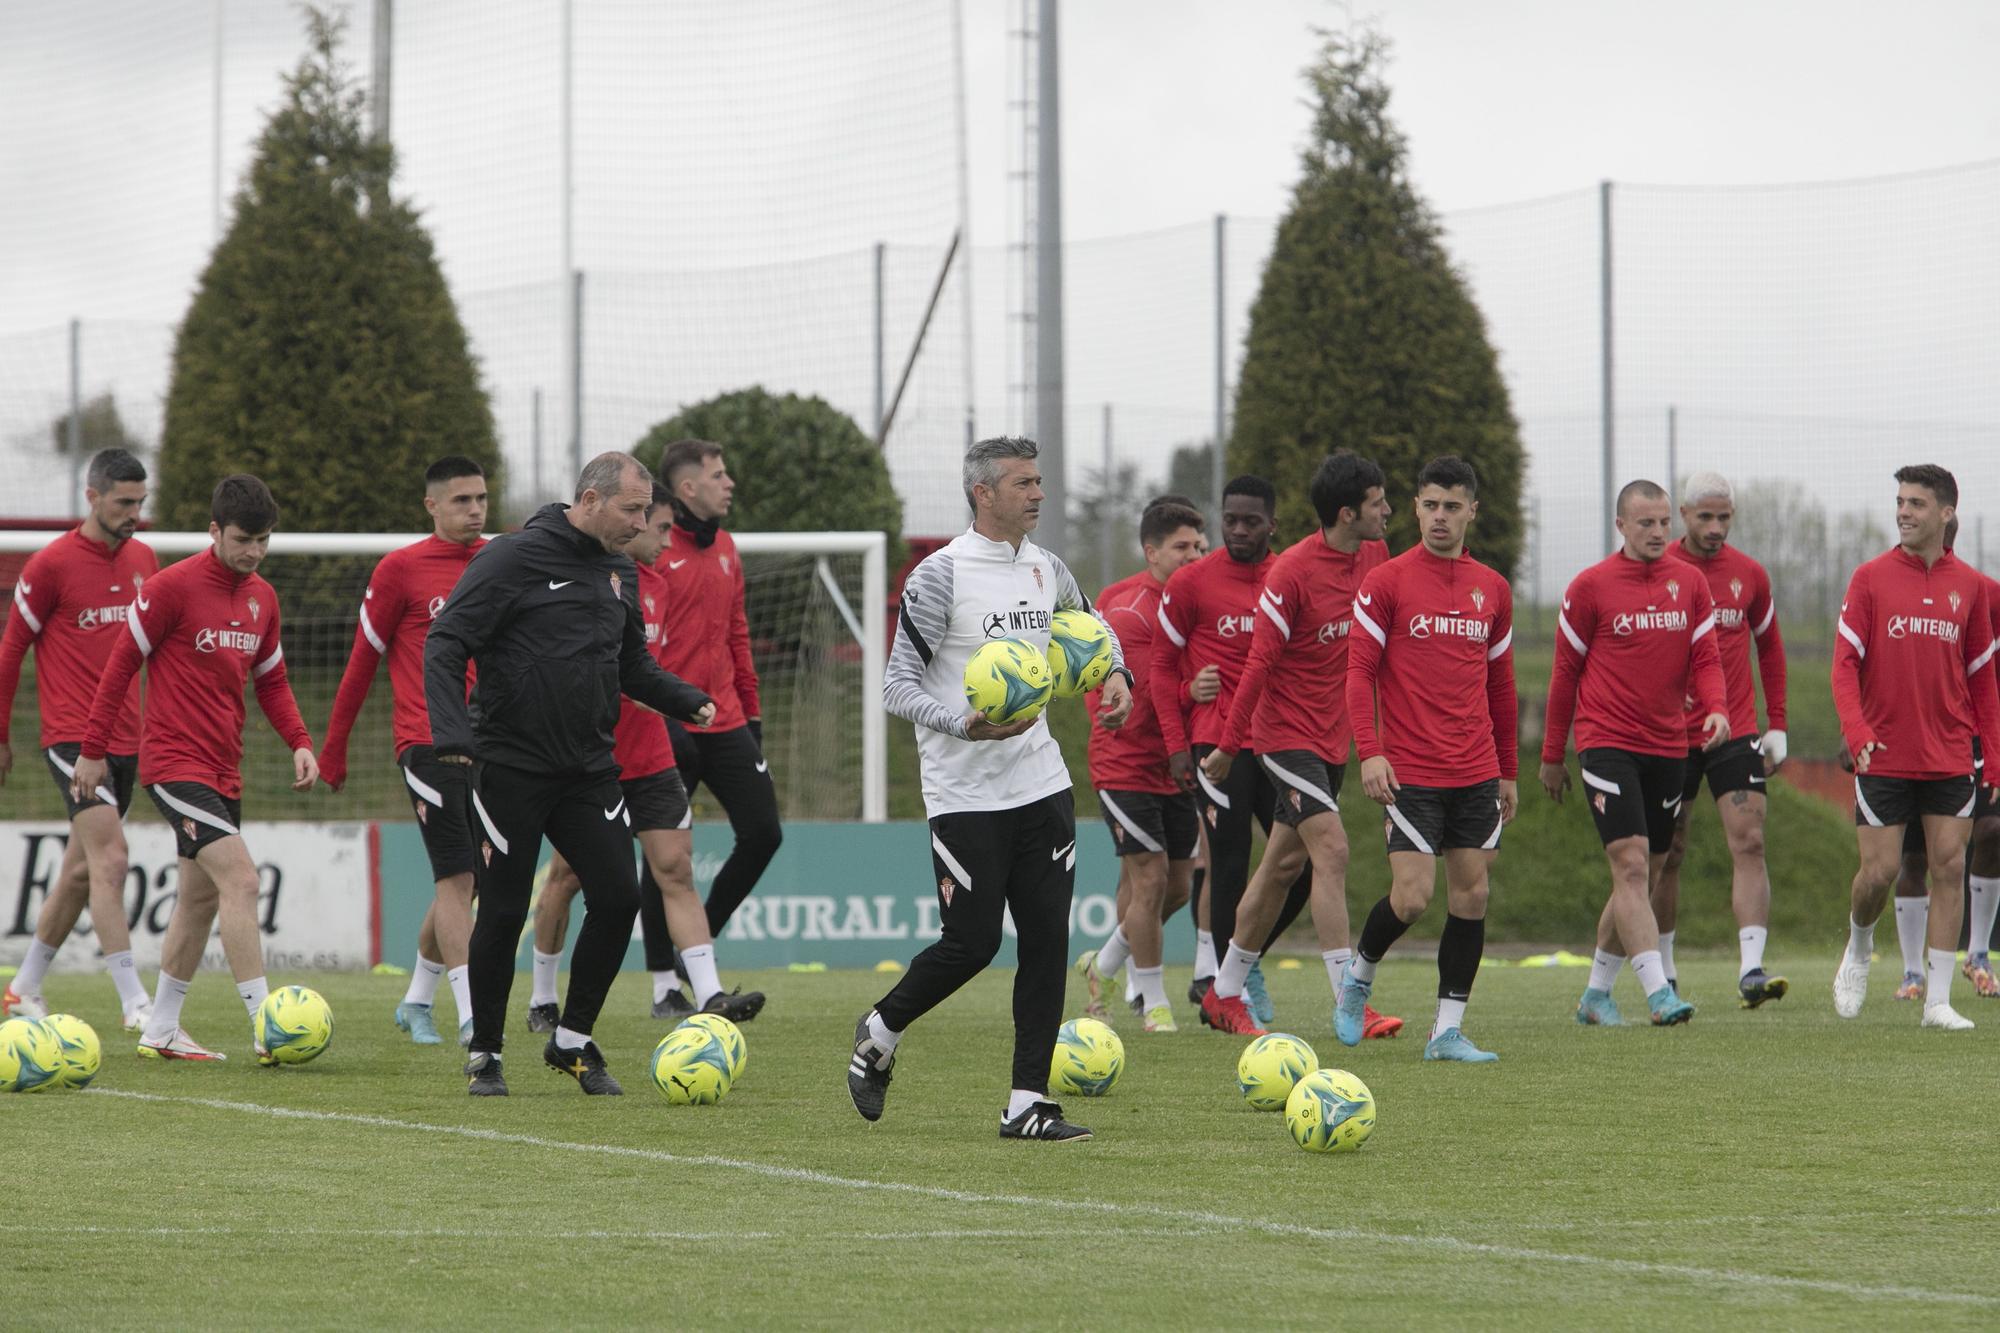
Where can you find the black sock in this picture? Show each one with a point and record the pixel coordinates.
(1382, 929)
(1460, 948)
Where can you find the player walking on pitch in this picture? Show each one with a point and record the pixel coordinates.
(406, 591)
(1155, 827)
(1435, 662)
(1745, 612)
(551, 616)
(70, 607)
(1289, 704)
(202, 627)
(1912, 687)
(1003, 830)
(707, 644)
(669, 911)
(1637, 639)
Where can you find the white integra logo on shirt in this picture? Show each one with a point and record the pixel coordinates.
(1627, 623)
(210, 640)
(1228, 627)
(1456, 627)
(1929, 627)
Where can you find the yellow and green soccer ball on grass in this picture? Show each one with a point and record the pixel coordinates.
(295, 1024)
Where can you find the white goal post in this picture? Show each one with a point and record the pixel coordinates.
(867, 624)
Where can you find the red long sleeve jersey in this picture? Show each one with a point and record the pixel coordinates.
(405, 593)
(1436, 642)
(640, 744)
(1208, 615)
(202, 631)
(70, 607)
(708, 635)
(1744, 612)
(1636, 639)
(1291, 695)
(1132, 757)
(1909, 668)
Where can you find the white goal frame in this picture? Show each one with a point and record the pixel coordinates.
(869, 627)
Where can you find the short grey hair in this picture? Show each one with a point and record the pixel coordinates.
(111, 466)
(982, 461)
(606, 473)
(1707, 486)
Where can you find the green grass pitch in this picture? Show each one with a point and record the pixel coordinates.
(1779, 1168)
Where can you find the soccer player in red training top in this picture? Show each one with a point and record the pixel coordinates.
(1744, 613)
(656, 808)
(1288, 705)
(1436, 648)
(1154, 824)
(202, 627)
(708, 645)
(1208, 613)
(70, 607)
(1637, 640)
(406, 591)
(1912, 687)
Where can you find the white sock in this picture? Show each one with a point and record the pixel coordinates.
(1652, 973)
(1913, 921)
(570, 1041)
(1204, 955)
(252, 993)
(1937, 989)
(1667, 954)
(1604, 970)
(545, 978)
(1131, 985)
(423, 982)
(1152, 985)
(168, 997)
(125, 976)
(665, 984)
(1861, 939)
(702, 980)
(461, 989)
(1112, 955)
(28, 981)
(1234, 972)
(1750, 948)
(1985, 908)
(1451, 1014)
(1335, 959)
(881, 1032)
(1020, 1100)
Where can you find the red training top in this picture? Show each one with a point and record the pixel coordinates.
(1909, 667)
(1208, 614)
(707, 633)
(405, 594)
(1744, 610)
(72, 599)
(1437, 641)
(1132, 757)
(640, 744)
(1637, 638)
(1290, 694)
(202, 630)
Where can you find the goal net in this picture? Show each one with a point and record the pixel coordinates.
(816, 605)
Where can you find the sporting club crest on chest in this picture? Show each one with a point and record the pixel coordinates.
(255, 610)
(725, 564)
(650, 608)
(617, 585)
(1736, 589)
(1674, 589)
(1038, 578)
(1478, 599)
(1954, 599)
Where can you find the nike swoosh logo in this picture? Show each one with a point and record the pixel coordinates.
(763, 765)
(612, 813)
(1057, 854)
(553, 585)
(1165, 598)
(1565, 603)
(1366, 600)
(1276, 600)
(675, 564)
(144, 605)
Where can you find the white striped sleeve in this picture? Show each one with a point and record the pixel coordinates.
(21, 604)
(1707, 624)
(1506, 642)
(368, 629)
(270, 663)
(1270, 609)
(1847, 633)
(1575, 641)
(1367, 623)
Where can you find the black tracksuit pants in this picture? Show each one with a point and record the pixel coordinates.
(1247, 793)
(733, 767)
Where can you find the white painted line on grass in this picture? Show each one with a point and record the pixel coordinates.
(383, 1233)
(1185, 1217)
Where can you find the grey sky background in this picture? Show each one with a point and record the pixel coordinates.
(736, 162)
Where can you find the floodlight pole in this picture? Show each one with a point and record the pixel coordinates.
(1049, 290)
(1610, 461)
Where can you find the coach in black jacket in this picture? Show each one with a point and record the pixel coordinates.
(550, 614)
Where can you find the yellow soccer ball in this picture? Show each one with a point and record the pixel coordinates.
(1008, 681)
(729, 1035)
(1330, 1110)
(294, 1024)
(691, 1068)
(29, 1058)
(78, 1054)
(1079, 652)
(1088, 1058)
(1270, 1067)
